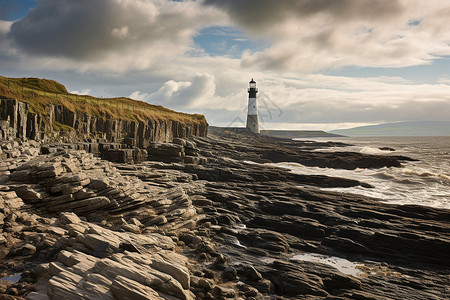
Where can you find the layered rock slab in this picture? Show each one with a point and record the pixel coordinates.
(82, 271)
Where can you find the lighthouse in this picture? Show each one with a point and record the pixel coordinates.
(252, 113)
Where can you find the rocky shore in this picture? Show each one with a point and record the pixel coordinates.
(205, 218)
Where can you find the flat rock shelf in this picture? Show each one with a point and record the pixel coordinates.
(205, 218)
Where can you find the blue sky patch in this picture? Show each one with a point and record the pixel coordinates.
(11, 10)
(423, 74)
(227, 41)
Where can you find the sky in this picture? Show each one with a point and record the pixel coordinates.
(318, 64)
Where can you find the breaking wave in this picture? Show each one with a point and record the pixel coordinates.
(422, 182)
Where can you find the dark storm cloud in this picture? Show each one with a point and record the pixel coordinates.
(258, 14)
(90, 29)
(77, 29)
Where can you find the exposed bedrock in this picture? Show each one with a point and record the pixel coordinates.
(19, 122)
(75, 226)
(264, 149)
(266, 216)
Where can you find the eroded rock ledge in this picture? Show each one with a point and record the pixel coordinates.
(79, 227)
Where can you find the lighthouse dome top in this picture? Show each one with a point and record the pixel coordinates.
(252, 81)
(252, 84)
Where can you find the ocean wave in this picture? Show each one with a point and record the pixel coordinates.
(428, 175)
(384, 175)
(372, 150)
(359, 149)
(445, 177)
(423, 182)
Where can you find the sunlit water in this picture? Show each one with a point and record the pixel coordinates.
(12, 278)
(343, 265)
(424, 182)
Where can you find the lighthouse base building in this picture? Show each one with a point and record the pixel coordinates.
(252, 112)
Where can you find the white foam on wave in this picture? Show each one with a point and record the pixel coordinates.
(423, 182)
(427, 175)
(358, 149)
(410, 185)
(371, 150)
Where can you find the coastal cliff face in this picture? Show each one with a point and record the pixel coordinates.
(16, 121)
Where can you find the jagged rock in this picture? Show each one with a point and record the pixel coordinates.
(166, 150)
(131, 266)
(246, 213)
(229, 273)
(134, 221)
(173, 264)
(66, 286)
(127, 289)
(206, 284)
(339, 281)
(157, 221)
(247, 290)
(129, 156)
(223, 292)
(250, 273)
(37, 296)
(293, 282)
(65, 218)
(24, 250)
(98, 284)
(10, 200)
(269, 240)
(179, 141)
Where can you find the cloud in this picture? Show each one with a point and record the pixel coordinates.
(304, 35)
(5, 26)
(311, 35)
(182, 94)
(260, 15)
(330, 99)
(444, 80)
(109, 34)
(289, 99)
(145, 49)
(82, 92)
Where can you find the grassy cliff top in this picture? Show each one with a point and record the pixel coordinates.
(39, 93)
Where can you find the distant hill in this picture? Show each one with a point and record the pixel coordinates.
(292, 134)
(413, 128)
(288, 134)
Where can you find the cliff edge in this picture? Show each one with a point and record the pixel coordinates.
(42, 109)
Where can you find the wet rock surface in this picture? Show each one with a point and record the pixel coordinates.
(75, 226)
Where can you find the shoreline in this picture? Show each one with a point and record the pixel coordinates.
(216, 230)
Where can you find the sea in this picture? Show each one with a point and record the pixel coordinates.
(422, 182)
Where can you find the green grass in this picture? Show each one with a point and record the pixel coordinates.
(61, 127)
(40, 93)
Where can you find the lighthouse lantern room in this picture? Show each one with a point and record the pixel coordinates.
(252, 113)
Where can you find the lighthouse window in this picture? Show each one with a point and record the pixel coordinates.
(253, 106)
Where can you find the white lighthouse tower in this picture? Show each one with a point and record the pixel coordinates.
(252, 114)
